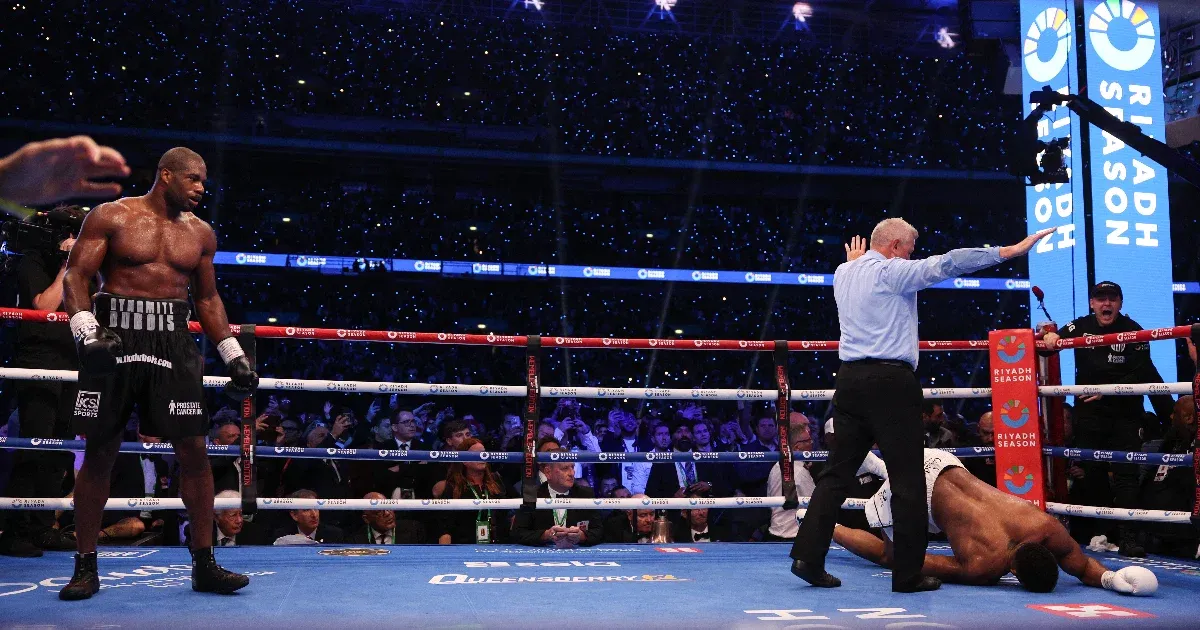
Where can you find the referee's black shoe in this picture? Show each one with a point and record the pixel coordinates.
(210, 577)
(918, 585)
(814, 575)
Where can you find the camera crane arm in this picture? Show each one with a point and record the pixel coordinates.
(1093, 113)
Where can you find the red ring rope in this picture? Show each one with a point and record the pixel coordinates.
(603, 343)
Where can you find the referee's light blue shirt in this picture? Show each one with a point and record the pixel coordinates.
(877, 299)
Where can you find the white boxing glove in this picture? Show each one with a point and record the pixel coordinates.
(1130, 580)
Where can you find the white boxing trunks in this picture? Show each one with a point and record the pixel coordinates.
(879, 506)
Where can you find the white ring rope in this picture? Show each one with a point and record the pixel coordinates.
(647, 393)
(145, 504)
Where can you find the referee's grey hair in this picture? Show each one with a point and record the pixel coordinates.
(894, 229)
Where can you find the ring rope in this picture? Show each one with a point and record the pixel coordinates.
(145, 504)
(609, 343)
(642, 393)
(583, 457)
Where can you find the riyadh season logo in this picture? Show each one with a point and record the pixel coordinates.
(1049, 35)
(1122, 34)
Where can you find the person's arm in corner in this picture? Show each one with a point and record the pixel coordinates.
(909, 276)
(49, 296)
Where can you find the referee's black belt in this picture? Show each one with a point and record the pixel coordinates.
(891, 362)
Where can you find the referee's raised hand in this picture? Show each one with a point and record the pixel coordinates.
(855, 248)
(1022, 248)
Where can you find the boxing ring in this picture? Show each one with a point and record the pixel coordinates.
(670, 585)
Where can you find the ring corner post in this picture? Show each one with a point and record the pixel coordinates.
(247, 339)
(529, 483)
(1013, 364)
(783, 426)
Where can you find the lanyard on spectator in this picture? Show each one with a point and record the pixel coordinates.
(479, 516)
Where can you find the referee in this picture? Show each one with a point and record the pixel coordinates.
(877, 398)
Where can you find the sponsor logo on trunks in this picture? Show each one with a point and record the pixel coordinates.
(460, 579)
(148, 315)
(87, 404)
(339, 386)
(185, 408)
(747, 455)
(144, 358)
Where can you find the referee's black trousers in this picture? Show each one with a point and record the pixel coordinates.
(873, 403)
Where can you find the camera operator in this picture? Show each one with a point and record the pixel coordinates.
(1112, 422)
(44, 407)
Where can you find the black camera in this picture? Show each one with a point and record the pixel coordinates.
(40, 233)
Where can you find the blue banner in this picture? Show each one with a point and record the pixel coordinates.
(339, 264)
(1130, 212)
(1058, 263)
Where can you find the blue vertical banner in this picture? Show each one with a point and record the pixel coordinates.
(1058, 263)
(1130, 212)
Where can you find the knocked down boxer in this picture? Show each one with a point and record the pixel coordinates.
(991, 534)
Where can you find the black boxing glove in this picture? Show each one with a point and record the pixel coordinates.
(98, 347)
(242, 379)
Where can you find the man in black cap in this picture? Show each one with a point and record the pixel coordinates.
(1112, 422)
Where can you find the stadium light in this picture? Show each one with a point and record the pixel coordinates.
(945, 38)
(665, 5)
(536, 4)
(801, 11)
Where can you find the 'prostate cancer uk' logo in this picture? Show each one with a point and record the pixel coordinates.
(1017, 480)
(1010, 350)
(1014, 414)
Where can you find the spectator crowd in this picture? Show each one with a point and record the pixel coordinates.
(283, 67)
